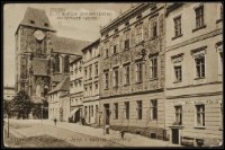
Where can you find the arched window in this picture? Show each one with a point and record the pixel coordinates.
(57, 63)
(66, 63)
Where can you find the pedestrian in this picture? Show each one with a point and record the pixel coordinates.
(55, 120)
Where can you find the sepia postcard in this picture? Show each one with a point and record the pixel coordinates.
(128, 74)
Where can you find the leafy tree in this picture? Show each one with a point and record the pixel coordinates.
(6, 107)
(22, 105)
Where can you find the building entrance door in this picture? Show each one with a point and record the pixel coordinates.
(175, 136)
(107, 113)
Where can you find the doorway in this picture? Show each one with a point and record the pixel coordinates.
(175, 136)
(107, 114)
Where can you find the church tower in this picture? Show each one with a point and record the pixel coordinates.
(33, 47)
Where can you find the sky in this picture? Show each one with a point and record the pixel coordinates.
(88, 30)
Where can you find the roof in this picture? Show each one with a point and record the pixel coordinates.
(68, 45)
(96, 42)
(66, 94)
(39, 67)
(57, 77)
(63, 85)
(78, 58)
(38, 17)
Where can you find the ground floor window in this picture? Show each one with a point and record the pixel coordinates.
(200, 113)
(127, 107)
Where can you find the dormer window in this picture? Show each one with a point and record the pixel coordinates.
(32, 21)
(46, 24)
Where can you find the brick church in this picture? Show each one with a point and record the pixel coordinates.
(42, 57)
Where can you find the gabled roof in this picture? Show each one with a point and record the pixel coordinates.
(68, 45)
(39, 67)
(63, 85)
(66, 94)
(36, 18)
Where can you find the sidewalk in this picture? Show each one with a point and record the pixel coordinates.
(130, 140)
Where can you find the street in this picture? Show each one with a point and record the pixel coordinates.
(75, 135)
(21, 129)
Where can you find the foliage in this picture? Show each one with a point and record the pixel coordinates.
(40, 110)
(6, 107)
(22, 105)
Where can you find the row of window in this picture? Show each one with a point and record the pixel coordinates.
(76, 83)
(199, 19)
(139, 16)
(200, 115)
(90, 109)
(76, 71)
(138, 74)
(53, 97)
(152, 110)
(91, 54)
(75, 100)
(199, 67)
(138, 37)
(89, 91)
(89, 70)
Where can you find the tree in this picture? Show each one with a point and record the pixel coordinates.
(22, 105)
(6, 107)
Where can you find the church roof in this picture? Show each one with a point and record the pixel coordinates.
(39, 67)
(68, 45)
(63, 85)
(36, 18)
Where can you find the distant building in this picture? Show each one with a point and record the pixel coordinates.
(55, 99)
(132, 86)
(76, 89)
(194, 62)
(9, 93)
(42, 58)
(91, 79)
(65, 104)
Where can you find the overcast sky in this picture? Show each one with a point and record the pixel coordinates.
(77, 29)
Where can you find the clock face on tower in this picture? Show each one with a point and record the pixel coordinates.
(39, 35)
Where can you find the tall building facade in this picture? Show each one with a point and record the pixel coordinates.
(132, 71)
(91, 79)
(194, 60)
(42, 58)
(76, 89)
